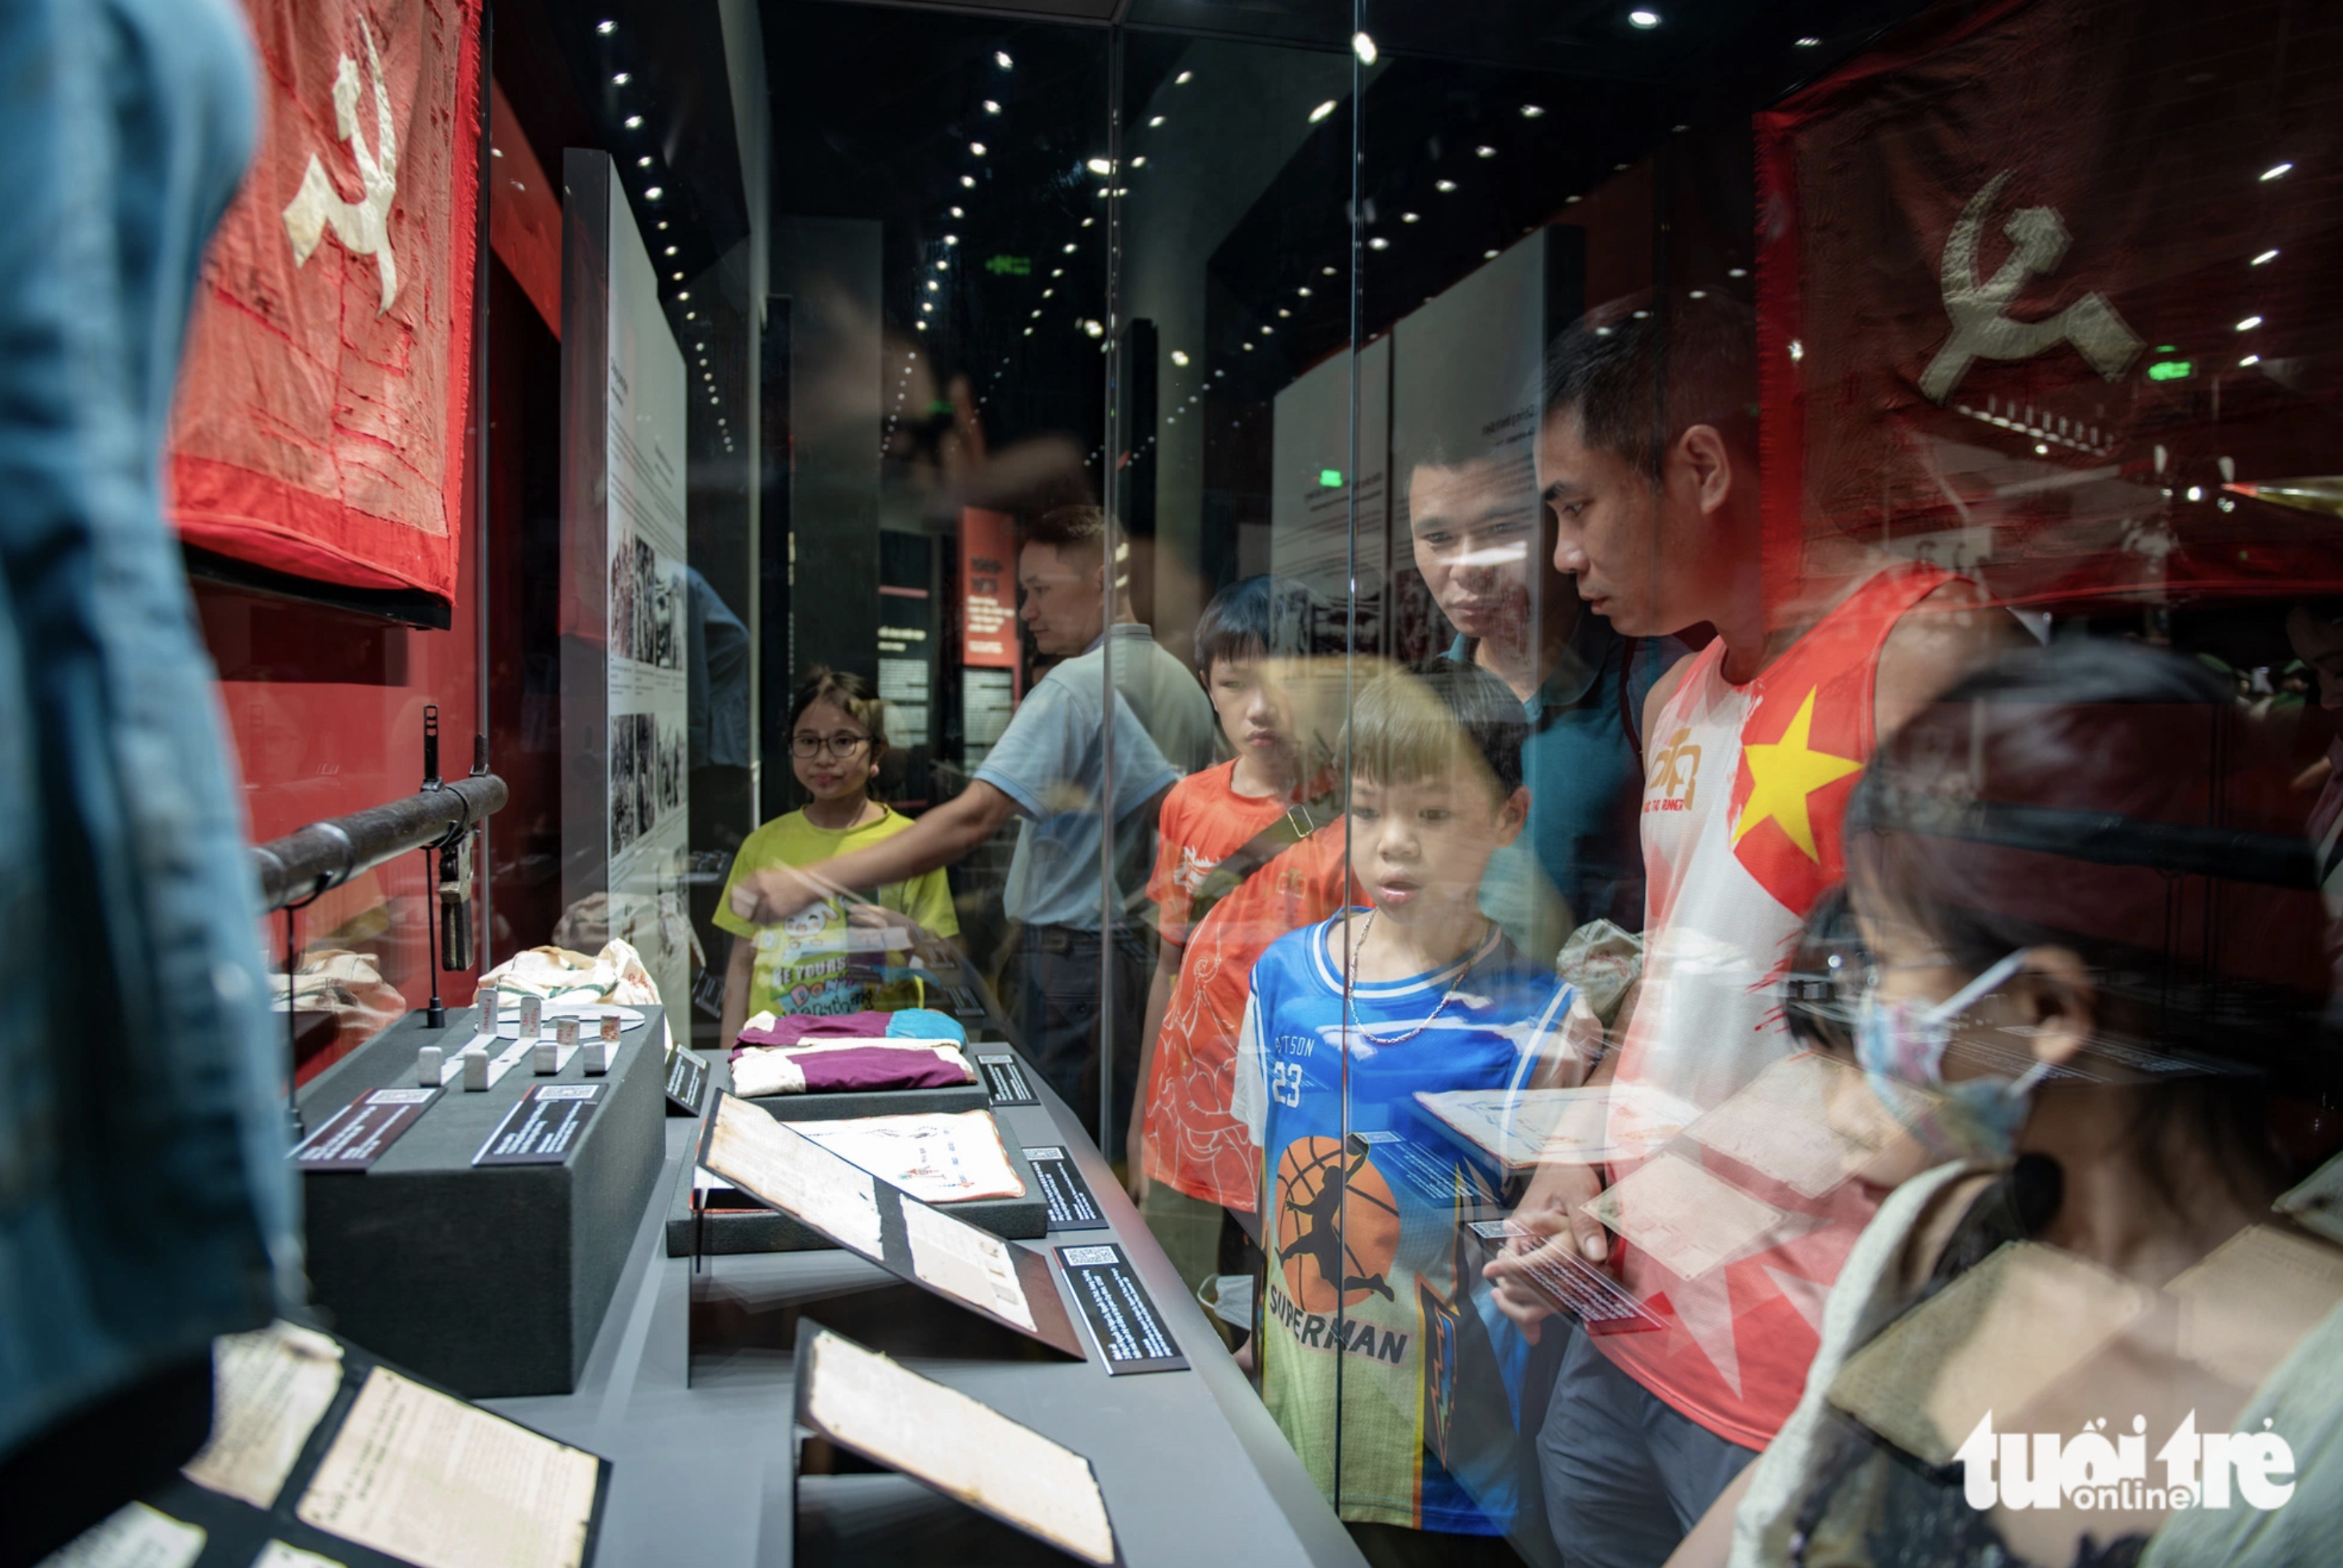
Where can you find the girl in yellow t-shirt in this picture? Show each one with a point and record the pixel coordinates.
(838, 738)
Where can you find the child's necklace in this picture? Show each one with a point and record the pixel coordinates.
(1351, 973)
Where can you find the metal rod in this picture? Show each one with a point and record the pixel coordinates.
(326, 854)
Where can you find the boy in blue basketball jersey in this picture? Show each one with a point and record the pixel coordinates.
(1383, 1359)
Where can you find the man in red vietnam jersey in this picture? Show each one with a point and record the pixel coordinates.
(1647, 453)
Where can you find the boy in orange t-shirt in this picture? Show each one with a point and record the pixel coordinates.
(1216, 828)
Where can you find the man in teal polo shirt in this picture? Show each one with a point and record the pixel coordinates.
(1485, 545)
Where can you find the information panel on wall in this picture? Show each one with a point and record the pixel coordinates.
(626, 592)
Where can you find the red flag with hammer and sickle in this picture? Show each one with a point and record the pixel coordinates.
(319, 427)
(2048, 292)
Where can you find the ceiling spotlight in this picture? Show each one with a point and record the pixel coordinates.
(2266, 257)
(691, 316)
(932, 285)
(1736, 272)
(662, 224)
(1178, 357)
(1283, 311)
(1810, 43)
(1000, 58)
(1155, 122)
(1484, 151)
(2275, 170)
(2250, 359)
(1326, 108)
(621, 79)
(1363, 47)
(606, 28)
(1099, 167)
(1046, 294)
(2249, 323)
(1070, 248)
(685, 297)
(976, 147)
(1699, 294)
(670, 250)
(653, 192)
(1139, 162)
(1379, 243)
(642, 163)
(1057, 272)
(968, 180)
(1183, 79)
(1327, 270)
(1409, 217)
(921, 324)
(1246, 346)
(634, 122)
(1646, 20)
(991, 107)
(956, 212)
(1488, 255)
(952, 239)
(1444, 185)
(1029, 332)
(1303, 291)
(1533, 111)
(1094, 329)
(678, 277)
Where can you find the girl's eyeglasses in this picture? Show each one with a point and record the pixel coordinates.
(838, 745)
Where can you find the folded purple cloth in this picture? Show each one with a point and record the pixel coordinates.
(829, 1067)
(800, 1026)
(834, 1071)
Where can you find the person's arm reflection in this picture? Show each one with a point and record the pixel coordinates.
(938, 838)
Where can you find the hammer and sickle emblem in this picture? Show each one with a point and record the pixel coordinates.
(364, 225)
(1981, 329)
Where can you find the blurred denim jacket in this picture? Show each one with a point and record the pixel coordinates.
(146, 1203)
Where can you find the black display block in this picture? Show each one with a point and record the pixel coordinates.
(491, 1279)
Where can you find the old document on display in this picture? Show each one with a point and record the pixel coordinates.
(963, 1449)
(937, 1158)
(769, 1162)
(422, 1476)
(1525, 1128)
(269, 1390)
(1688, 1221)
(965, 1263)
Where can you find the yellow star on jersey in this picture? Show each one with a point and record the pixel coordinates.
(1781, 777)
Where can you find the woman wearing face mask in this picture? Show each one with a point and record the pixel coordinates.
(2089, 993)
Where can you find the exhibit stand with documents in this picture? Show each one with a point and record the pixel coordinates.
(956, 1343)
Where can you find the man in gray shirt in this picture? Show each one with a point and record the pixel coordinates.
(1049, 769)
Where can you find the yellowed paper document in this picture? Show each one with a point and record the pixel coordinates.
(1688, 1221)
(131, 1536)
(277, 1554)
(768, 1160)
(434, 1481)
(968, 1450)
(269, 1390)
(966, 1263)
(1806, 1121)
(937, 1158)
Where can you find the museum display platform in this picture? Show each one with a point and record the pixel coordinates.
(705, 1467)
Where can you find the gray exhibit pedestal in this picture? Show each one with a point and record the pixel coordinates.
(491, 1280)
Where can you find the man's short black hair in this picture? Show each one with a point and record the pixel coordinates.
(1260, 617)
(1413, 725)
(1062, 528)
(1638, 372)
